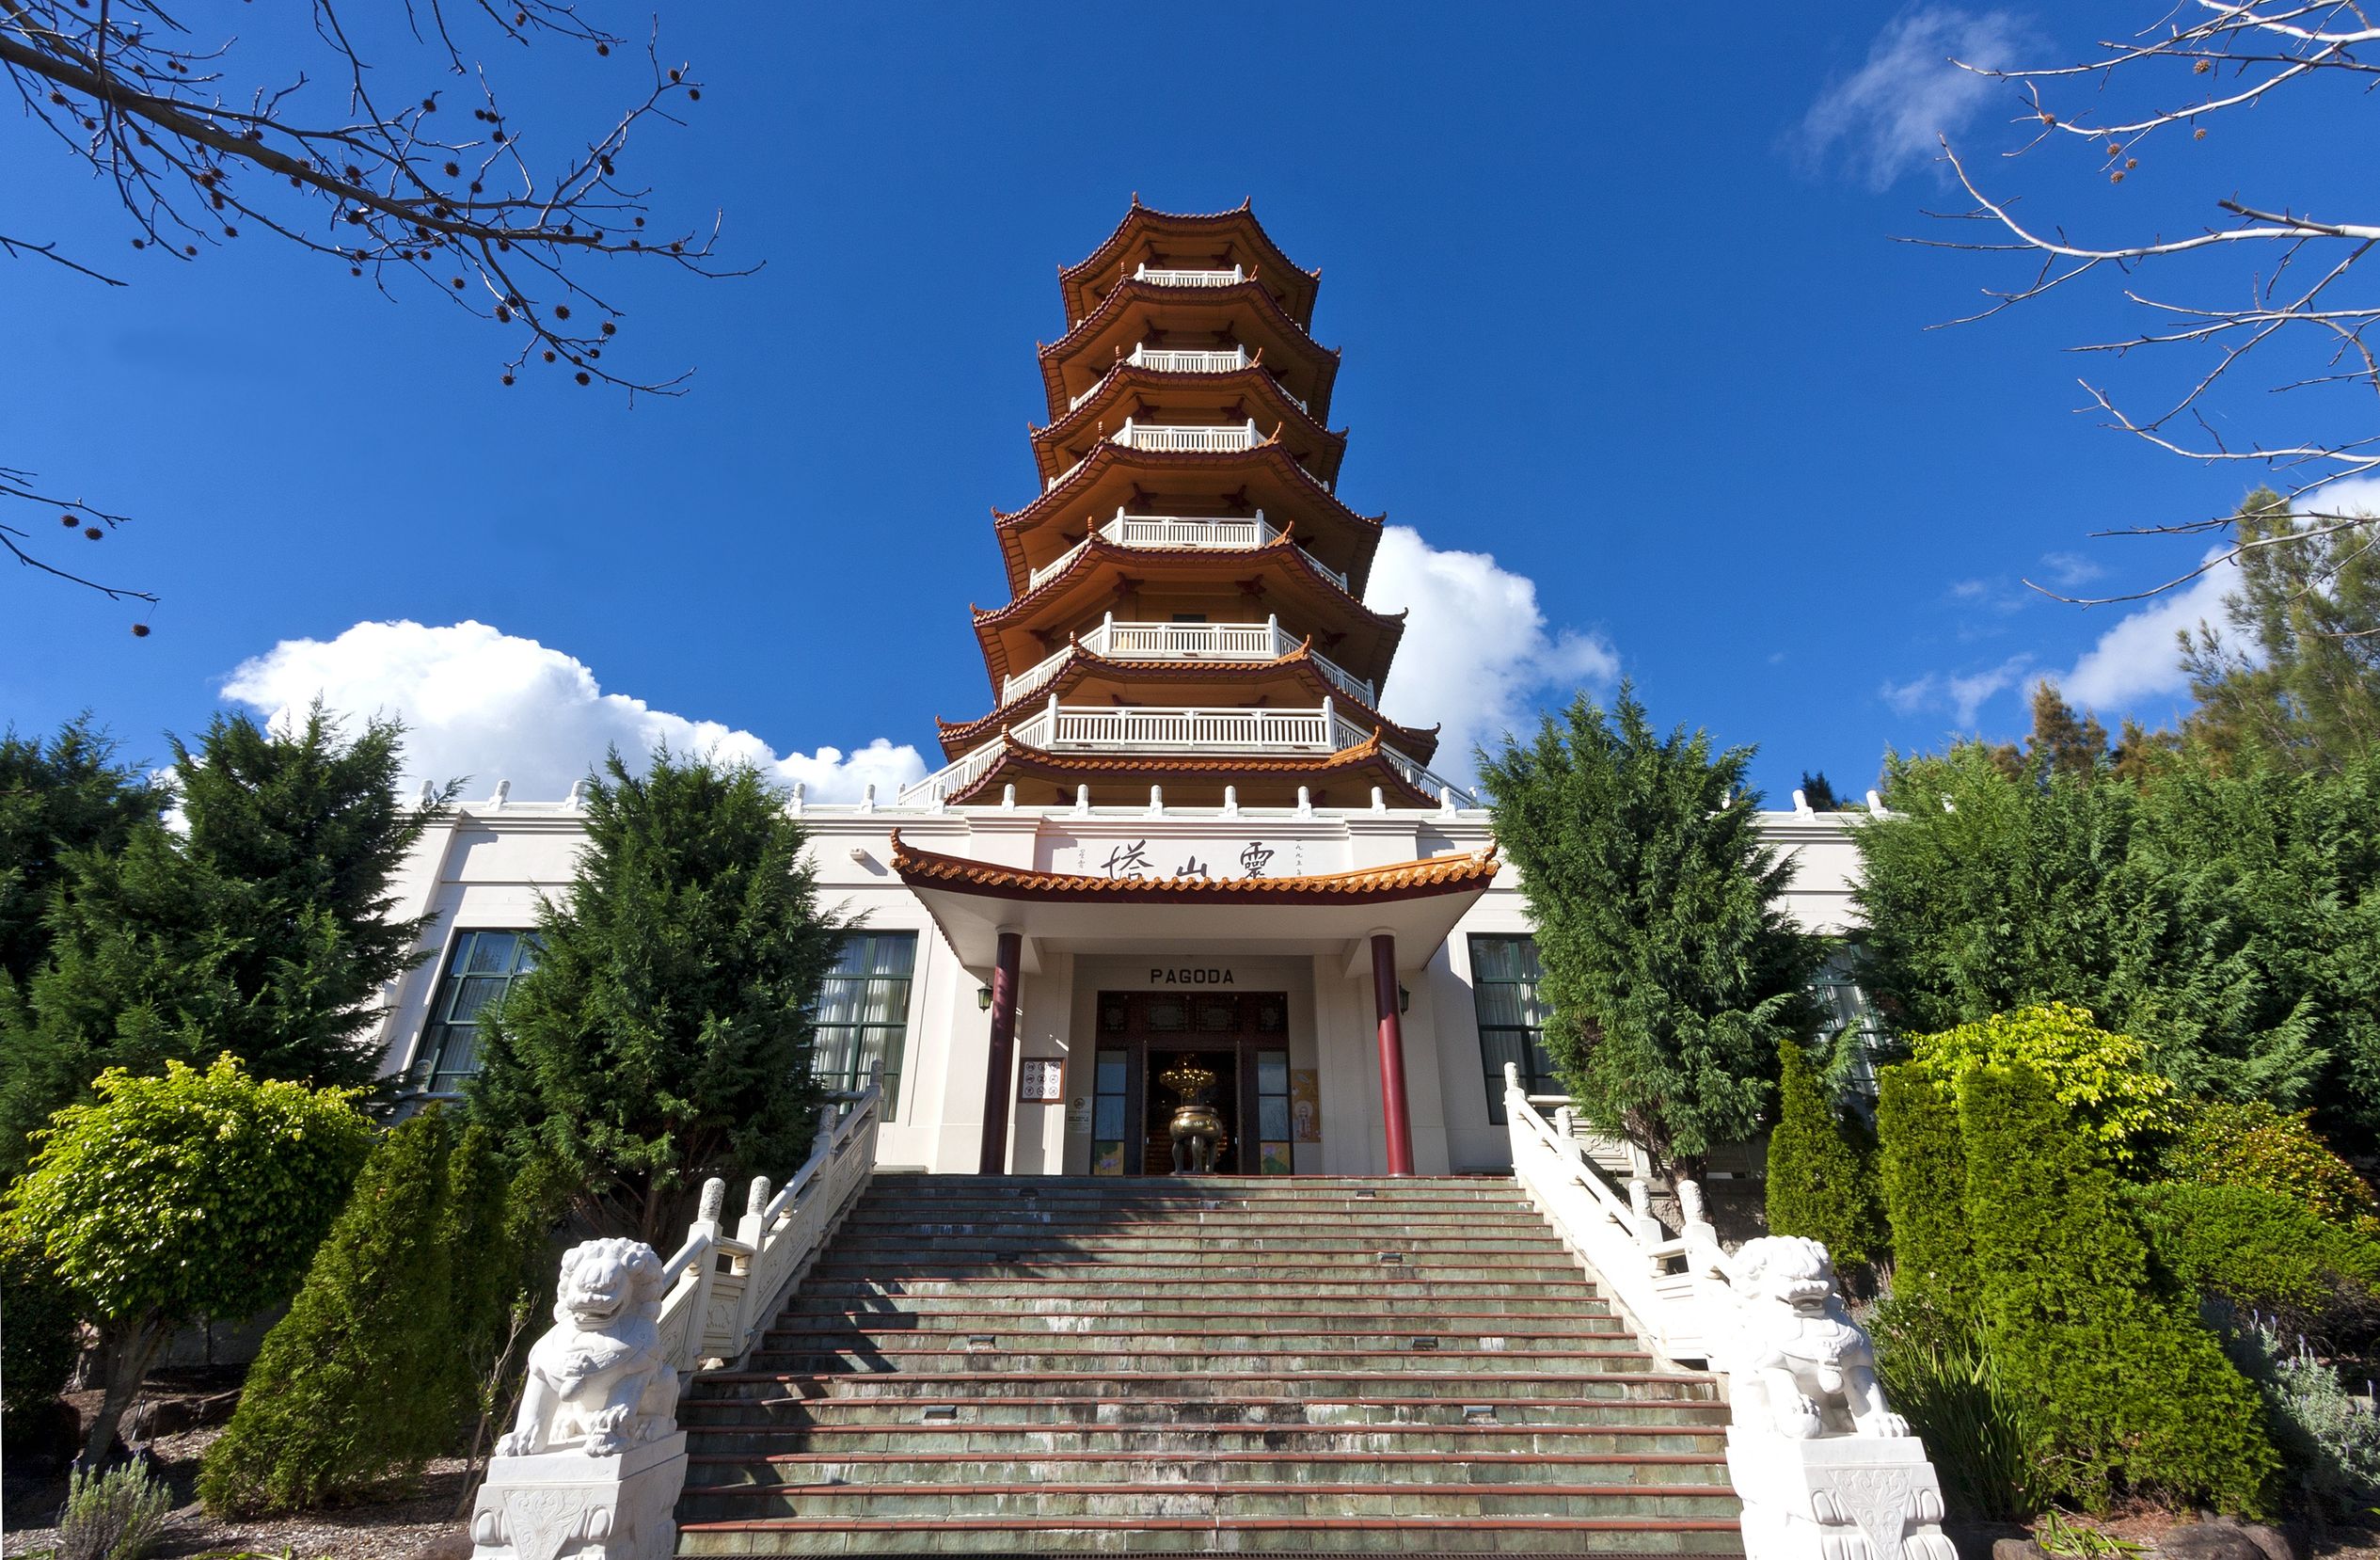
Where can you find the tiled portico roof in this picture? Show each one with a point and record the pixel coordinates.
(1451, 874)
(1363, 759)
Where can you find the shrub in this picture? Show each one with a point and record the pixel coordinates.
(1922, 1174)
(37, 1342)
(2222, 1144)
(2103, 1079)
(1940, 1377)
(116, 1515)
(190, 1194)
(372, 1370)
(2329, 1443)
(1819, 1184)
(2127, 1391)
(2262, 1252)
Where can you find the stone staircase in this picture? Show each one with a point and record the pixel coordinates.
(1313, 1365)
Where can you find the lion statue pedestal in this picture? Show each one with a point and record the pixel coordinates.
(593, 1463)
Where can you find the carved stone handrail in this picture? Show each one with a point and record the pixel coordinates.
(1824, 1467)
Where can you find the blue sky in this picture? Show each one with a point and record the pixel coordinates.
(1619, 303)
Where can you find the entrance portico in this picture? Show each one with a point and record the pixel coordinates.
(1373, 924)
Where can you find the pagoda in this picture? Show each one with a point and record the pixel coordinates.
(1185, 624)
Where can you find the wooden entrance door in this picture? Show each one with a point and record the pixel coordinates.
(1242, 1037)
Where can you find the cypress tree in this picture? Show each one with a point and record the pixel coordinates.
(57, 797)
(1819, 1184)
(2130, 1393)
(1670, 966)
(361, 1381)
(1922, 1174)
(664, 1035)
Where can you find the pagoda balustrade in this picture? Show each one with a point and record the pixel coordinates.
(1184, 729)
(1176, 530)
(1177, 277)
(1166, 360)
(1266, 641)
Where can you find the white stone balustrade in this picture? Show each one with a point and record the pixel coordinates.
(1266, 641)
(1186, 360)
(1823, 1466)
(1181, 277)
(1183, 729)
(1173, 530)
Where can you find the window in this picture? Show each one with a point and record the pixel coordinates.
(1848, 1019)
(1512, 1019)
(863, 1012)
(481, 968)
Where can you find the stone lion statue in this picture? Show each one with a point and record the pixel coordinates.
(596, 1378)
(1809, 1366)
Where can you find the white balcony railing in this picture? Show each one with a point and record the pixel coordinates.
(1190, 438)
(1264, 641)
(1167, 361)
(1056, 727)
(1173, 276)
(1173, 530)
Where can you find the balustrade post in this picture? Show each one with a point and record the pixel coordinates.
(1330, 723)
(755, 1204)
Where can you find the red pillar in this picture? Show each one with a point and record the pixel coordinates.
(1000, 1063)
(1398, 1119)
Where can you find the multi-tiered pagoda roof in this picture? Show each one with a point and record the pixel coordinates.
(1185, 611)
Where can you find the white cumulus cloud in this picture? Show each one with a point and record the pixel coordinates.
(1963, 694)
(491, 705)
(1884, 118)
(2141, 655)
(1477, 658)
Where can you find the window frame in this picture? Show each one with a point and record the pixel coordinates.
(894, 1031)
(422, 1075)
(1536, 1078)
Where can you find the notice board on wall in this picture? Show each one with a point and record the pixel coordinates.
(1040, 1082)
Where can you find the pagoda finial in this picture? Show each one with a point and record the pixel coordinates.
(1135, 199)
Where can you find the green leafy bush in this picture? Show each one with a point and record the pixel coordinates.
(37, 1330)
(2264, 1251)
(1939, 1375)
(2104, 1079)
(116, 1515)
(2330, 1443)
(2129, 1392)
(185, 1195)
(1922, 1174)
(372, 1372)
(1819, 1184)
(2222, 1144)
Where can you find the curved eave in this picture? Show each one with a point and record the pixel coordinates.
(1322, 359)
(1470, 872)
(1240, 221)
(1286, 416)
(961, 738)
(1194, 563)
(1058, 503)
(1065, 769)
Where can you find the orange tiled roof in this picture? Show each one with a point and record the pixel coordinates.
(1407, 880)
(1240, 219)
(1062, 768)
(1282, 409)
(1417, 743)
(1324, 359)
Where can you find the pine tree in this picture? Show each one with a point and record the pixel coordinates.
(1922, 1176)
(2130, 1393)
(1819, 1184)
(58, 797)
(1670, 965)
(262, 931)
(1818, 792)
(2061, 741)
(665, 1035)
(2295, 681)
(357, 1383)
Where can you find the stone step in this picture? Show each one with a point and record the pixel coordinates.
(1292, 1387)
(1451, 1438)
(972, 1301)
(1289, 1246)
(1211, 1465)
(1141, 1272)
(866, 1218)
(1124, 1188)
(1404, 1285)
(1045, 1355)
(1407, 1332)
(1203, 1534)
(1056, 1502)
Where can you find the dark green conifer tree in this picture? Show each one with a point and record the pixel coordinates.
(1670, 966)
(56, 797)
(368, 1376)
(2130, 1393)
(665, 1033)
(262, 929)
(1820, 1185)
(1921, 1176)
